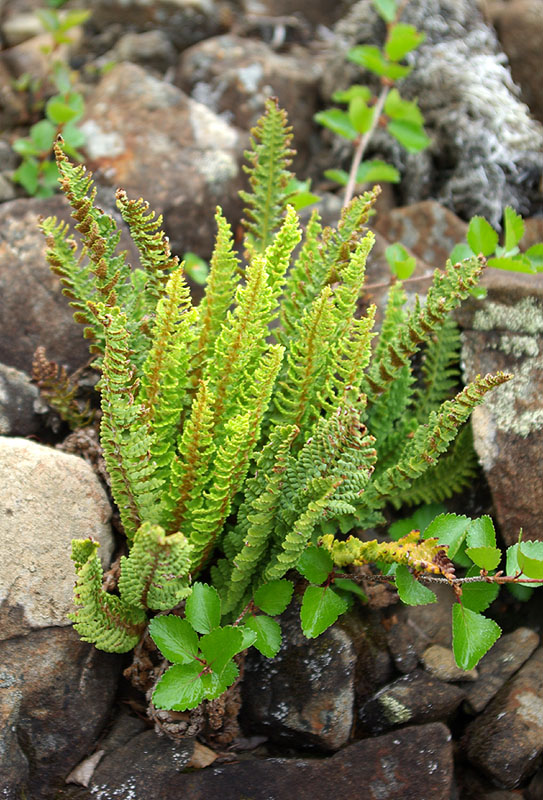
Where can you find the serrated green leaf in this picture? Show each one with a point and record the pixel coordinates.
(347, 585)
(485, 557)
(180, 688)
(473, 636)
(520, 263)
(481, 236)
(512, 566)
(387, 9)
(530, 559)
(400, 262)
(175, 638)
(315, 564)
(249, 637)
(360, 115)
(478, 596)
(397, 108)
(410, 135)
(355, 90)
(27, 175)
(375, 171)
(62, 77)
(219, 646)
(72, 135)
(535, 254)
(268, 634)
(196, 268)
(320, 608)
(371, 58)
(48, 18)
(43, 135)
(410, 591)
(203, 608)
(303, 200)
(520, 592)
(337, 121)
(401, 40)
(214, 685)
(26, 148)
(481, 532)
(274, 597)
(514, 228)
(418, 521)
(337, 175)
(450, 530)
(460, 252)
(74, 17)
(59, 112)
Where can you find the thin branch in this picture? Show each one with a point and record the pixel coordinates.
(362, 144)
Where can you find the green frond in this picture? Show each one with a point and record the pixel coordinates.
(421, 555)
(101, 618)
(440, 369)
(220, 291)
(305, 280)
(429, 441)
(156, 573)
(126, 441)
(449, 288)
(269, 159)
(278, 253)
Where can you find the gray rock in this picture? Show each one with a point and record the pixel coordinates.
(152, 50)
(19, 402)
(234, 77)
(48, 498)
(55, 696)
(505, 332)
(411, 764)
(496, 667)
(470, 105)
(20, 27)
(150, 138)
(305, 695)
(33, 311)
(412, 699)
(506, 740)
(440, 664)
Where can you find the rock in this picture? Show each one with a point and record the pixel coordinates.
(440, 664)
(319, 12)
(428, 228)
(520, 29)
(411, 764)
(304, 695)
(506, 740)
(483, 137)
(148, 137)
(48, 498)
(535, 789)
(504, 332)
(20, 27)
(185, 22)
(496, 667)
(12, 107)
(19, 402)
(152, 50)
(31, 303)
(411, 699)
(55, 696)
(373, 662)
(235, 76)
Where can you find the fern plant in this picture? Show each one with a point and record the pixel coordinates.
(241, 436)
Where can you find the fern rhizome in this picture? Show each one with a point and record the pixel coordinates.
(243, 435)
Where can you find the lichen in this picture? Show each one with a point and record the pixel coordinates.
(394, 711)
(526, 317)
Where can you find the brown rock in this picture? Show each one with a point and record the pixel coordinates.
(32, 309)
(506, 740)
(411, 764)
(520, 30)
(19, 403)
(60, 690)
(235, 76)
(148, 137)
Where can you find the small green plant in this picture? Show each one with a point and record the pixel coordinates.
(366, 111)
(38, 172)
(241, 436)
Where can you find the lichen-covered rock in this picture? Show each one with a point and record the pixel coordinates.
(48, 498)
(505, 332)
(506, 740)
(148, 137)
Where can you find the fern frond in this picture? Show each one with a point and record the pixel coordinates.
(156, 573)
(429, 441)
(439, 369)
(127, 456)
(449, 288)
(421, 555)
(278, 253)
(59, 391)
(269, 177)
(102, 618)
(305, 280)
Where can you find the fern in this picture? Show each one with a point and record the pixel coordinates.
(239, 432)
